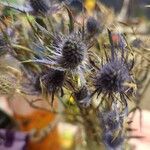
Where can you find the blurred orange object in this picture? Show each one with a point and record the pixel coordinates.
(38, 120)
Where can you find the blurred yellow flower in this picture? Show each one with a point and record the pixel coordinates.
(90, 5)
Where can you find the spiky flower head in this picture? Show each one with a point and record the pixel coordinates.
(66, 53)
(69, 51)
(52, 80)
(111, 78)
(73, 52)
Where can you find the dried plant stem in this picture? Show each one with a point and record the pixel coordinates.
(91, 127)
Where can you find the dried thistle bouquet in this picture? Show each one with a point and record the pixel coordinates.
(86, 71)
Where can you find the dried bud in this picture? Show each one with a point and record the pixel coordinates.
(52, 80)
(92, 26)
(82, 97)
(113, 142)
(112, 120)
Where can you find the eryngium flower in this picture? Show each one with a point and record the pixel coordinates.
(112, 77)
(73, 52)
(39, 6)
(111, 120)
(92, 26)
(112, 142)
(52, 80)
(82, 97)
(66, 53)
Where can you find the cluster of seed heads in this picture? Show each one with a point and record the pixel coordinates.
(66, 57)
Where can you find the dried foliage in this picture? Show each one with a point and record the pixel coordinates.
(82, 61)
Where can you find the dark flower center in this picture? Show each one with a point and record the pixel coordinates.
(73, 54)
(52, 80)
(112, 77)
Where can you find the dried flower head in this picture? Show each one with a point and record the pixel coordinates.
(73, 52)
(92, 26)
(112, 142)
(67, 52)
(82, 97)
(112, 77)
(51, 81)
(111, 120)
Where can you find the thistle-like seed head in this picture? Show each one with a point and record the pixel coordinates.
(112, 77)
(52, 80)
(73, 53)
(111, 120)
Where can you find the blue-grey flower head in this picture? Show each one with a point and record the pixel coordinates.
(73, 52)
(67, 53)
(112, 120)
(39, 6)
(113, 142)
(52, 80)
(92, 26)
(82, 97)
(112, 77)
(137, 43)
